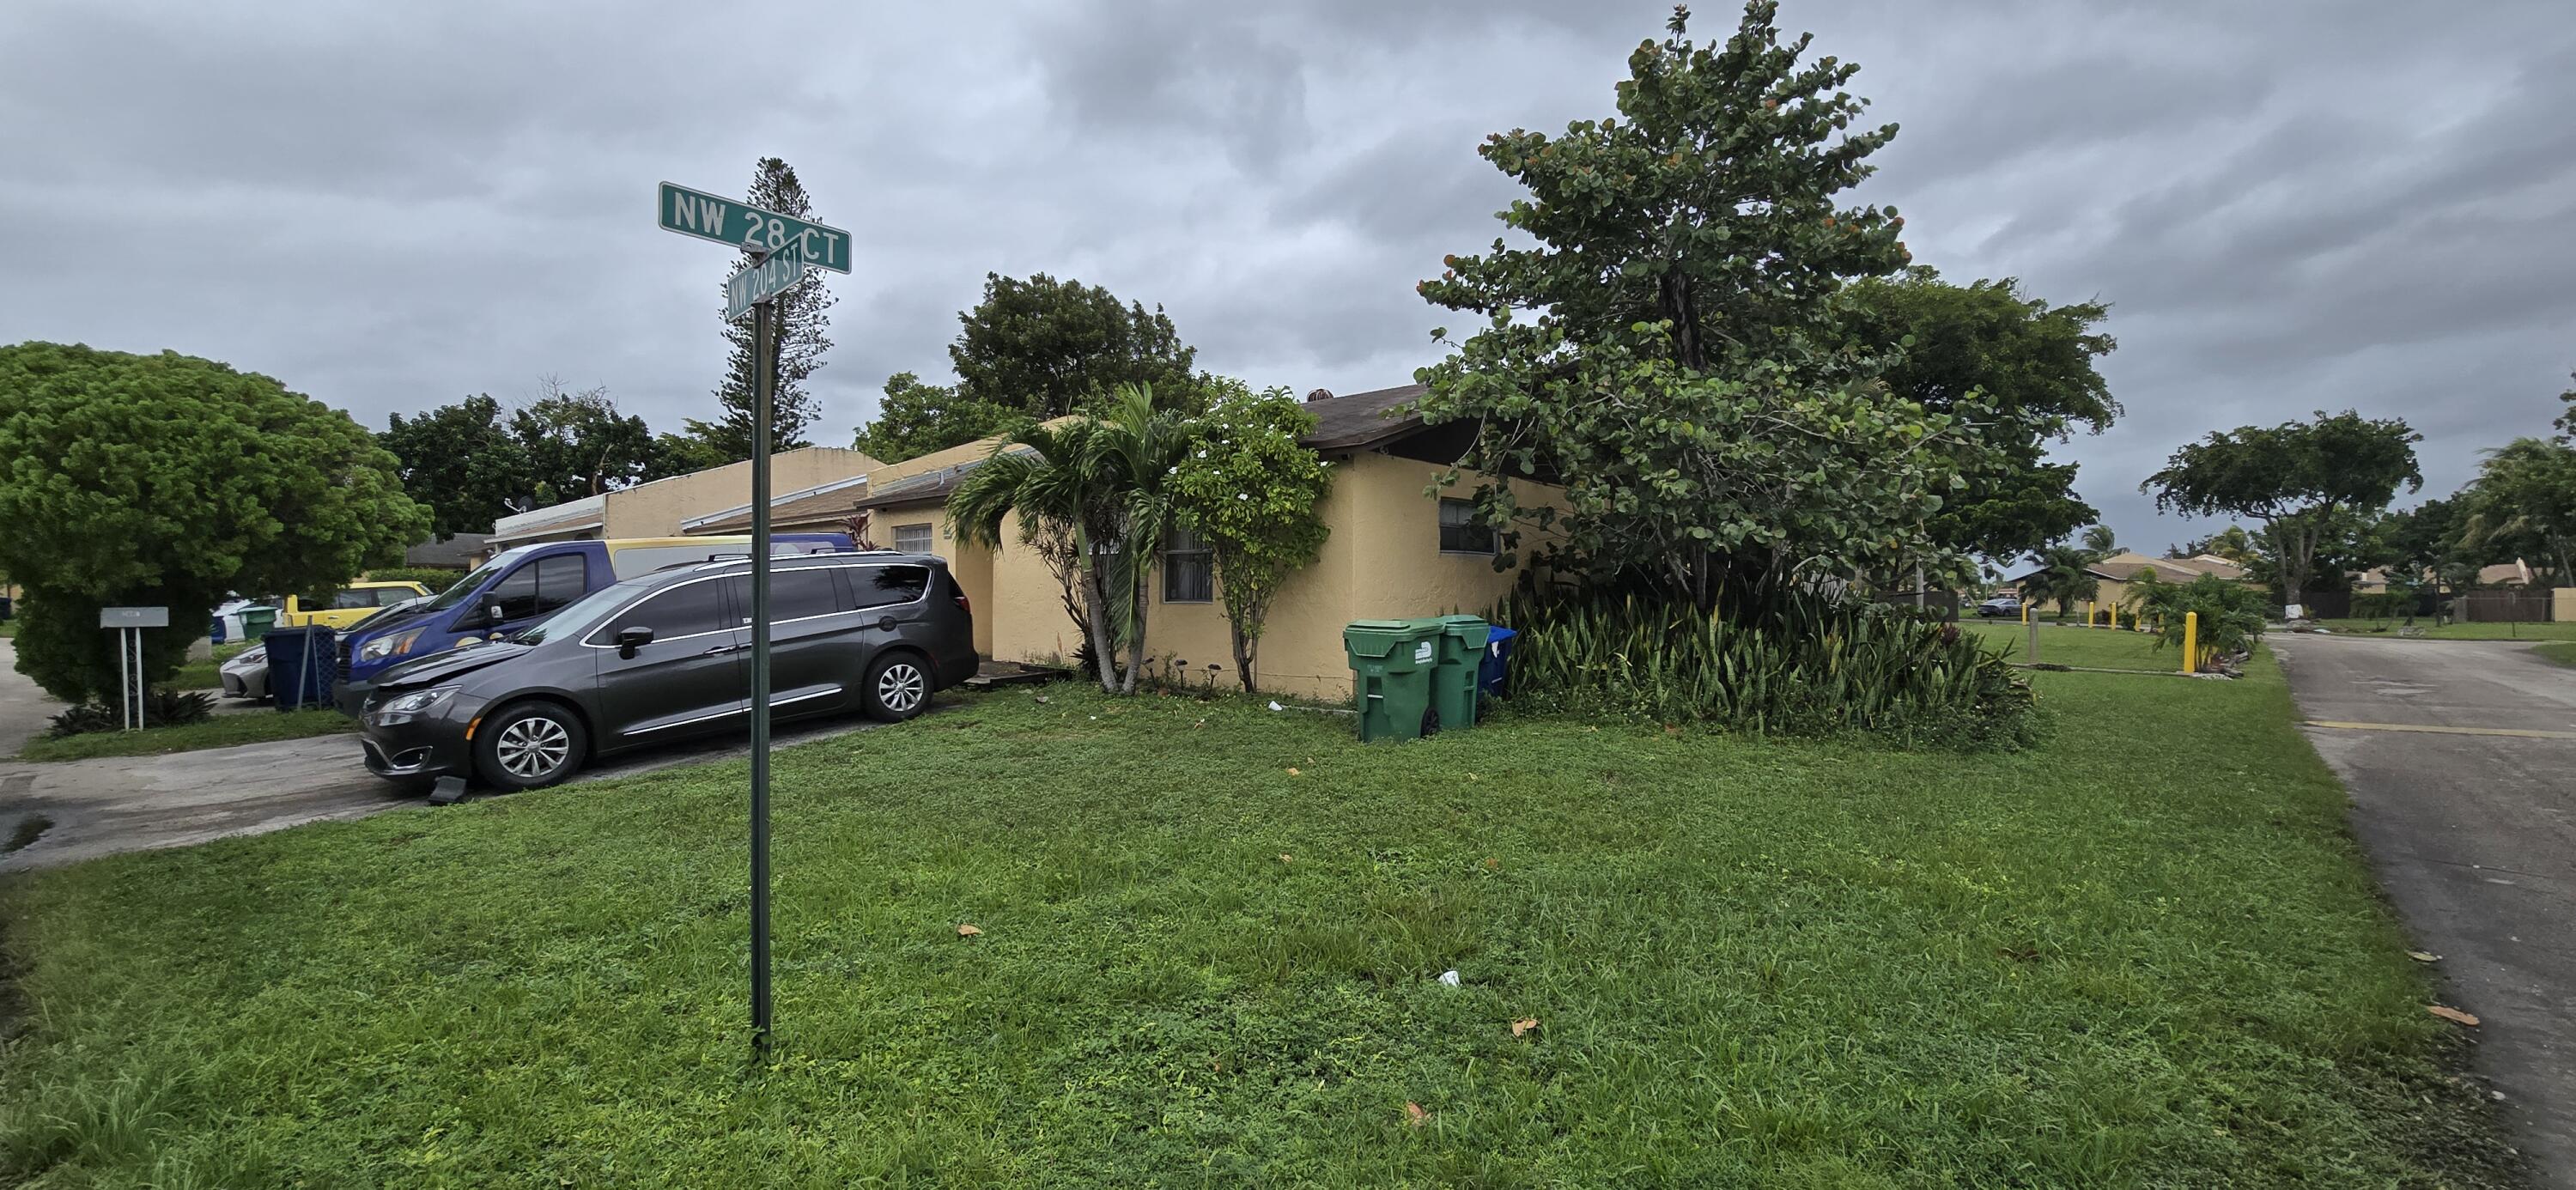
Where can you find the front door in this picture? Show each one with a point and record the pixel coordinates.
(690, 678)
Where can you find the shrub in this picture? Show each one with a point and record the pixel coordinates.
(1814, 668)
(161, 708)
(436, 578)
(2231, 614)
(2383, 605)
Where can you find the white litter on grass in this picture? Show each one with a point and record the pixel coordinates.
(1450, 977)
(1274, 705)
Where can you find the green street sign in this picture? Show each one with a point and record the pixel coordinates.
(764, 281)
(727, 221)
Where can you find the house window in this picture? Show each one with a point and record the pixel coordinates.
(1461, 532)
(1189, 569)
(912, 539)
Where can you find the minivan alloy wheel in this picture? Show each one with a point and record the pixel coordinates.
(900, 687)
(533, 747)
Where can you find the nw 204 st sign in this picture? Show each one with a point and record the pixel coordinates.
(726, 221)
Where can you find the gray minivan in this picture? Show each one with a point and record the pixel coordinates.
(666, 656)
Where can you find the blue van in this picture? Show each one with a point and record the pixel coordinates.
(523, 585)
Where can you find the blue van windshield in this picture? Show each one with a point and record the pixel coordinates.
(483, 574)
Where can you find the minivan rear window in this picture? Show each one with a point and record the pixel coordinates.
(885, 586)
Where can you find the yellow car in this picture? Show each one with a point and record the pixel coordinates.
(350, 604)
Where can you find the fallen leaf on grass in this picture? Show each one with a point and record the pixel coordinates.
(1042, 698)
(1522, 1027)
(1415, 1115)
(1493, 864)
(2422, 956)
(2448, 1013)
(1294, 773)
(1284, 857)
(968, 931)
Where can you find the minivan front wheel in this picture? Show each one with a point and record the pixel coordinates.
(898, 687)
(529, 746)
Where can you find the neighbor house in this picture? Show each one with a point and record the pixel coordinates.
(1395, 549)
(659, 508)
(2116, 575)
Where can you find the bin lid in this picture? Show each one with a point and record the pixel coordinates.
(1471, 626)
(1378, 638)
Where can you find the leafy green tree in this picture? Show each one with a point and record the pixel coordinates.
(463, 461)
(2064, 574)
(2523, 504)
(2305, 481)
(2033, 362)
(2232, 543)
(1671, 350)
(2100, 542)
(167, 480)
(1097, 488)
(2230, 614)
(1043, 348)
(580, 444)
(802, 326)
(1037, 350)
(680, 454)
(1252, 490)
(915, 419)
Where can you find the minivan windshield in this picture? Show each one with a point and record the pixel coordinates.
(466, 586)
(578, 616)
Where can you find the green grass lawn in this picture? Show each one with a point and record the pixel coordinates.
(2074, 644)
(2459, 630)
(2563, 652)
(220, 731)
(1211, 936)
(9, 627)
(205, 675)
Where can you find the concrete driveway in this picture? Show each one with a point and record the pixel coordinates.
(2471, 826)
(101, 807)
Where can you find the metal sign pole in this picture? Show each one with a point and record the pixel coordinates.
(765, 364)
(124, 681)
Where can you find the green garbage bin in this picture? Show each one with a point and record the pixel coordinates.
(256, 621)
(1462, 656)
(1392, 662)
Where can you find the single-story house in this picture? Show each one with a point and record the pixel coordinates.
(2114, 575)
(659, 508)
(1394, 550)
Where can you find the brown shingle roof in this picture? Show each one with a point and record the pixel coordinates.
(1363, 419)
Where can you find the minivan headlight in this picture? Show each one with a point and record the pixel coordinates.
(416, 702)
(389, 646)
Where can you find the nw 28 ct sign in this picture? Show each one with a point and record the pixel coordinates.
(726, 221)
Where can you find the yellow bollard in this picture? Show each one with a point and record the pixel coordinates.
(2115, 617)
(2025, 613)
(2191, 642)
(2088, 613)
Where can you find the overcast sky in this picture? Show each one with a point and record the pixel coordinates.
(2290, 206)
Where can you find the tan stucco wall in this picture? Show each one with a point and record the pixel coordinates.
(2562, 604)
(656, 509)
(1382, 559)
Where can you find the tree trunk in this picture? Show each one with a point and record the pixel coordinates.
(1102, 656)
(1136, 639)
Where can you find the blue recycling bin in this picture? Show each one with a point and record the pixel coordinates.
(302, 665)
(1497, 662)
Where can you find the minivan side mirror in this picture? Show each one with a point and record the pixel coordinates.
(631, 639)
(492, 611)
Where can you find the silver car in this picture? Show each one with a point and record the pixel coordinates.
(246, 674)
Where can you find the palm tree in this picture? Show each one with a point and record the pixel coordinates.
(2100, 542)
(1091, 494)
(2065, 574)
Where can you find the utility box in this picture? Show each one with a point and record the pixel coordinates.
(1392, 665)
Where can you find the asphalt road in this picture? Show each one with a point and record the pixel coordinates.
(102, 807)
(2473, 836)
